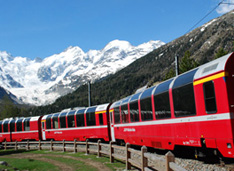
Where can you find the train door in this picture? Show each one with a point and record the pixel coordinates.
(112, 126)
(43, 121)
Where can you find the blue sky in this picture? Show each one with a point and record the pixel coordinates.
(40, 28)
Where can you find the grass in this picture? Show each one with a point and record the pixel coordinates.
(36, 165)
(78, 165)
(105, 160)
(27, 164)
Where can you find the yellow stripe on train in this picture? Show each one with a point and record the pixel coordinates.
(103, 111)
(213, 77)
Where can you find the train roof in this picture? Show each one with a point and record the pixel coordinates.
(213, 66)
(97, 108)
(180, 80)
(33, 118)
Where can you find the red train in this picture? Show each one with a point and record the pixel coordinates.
(20, 129)
(194, 109)
(80, 124)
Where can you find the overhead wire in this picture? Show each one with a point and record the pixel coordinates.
(228, 3)
(205, 16)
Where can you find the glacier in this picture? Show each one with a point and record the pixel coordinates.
(40, 82)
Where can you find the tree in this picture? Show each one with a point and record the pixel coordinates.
(169, 74)
(187, 63)
(221, 52)
(8, 108)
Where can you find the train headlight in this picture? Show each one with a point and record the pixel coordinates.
(229, 145)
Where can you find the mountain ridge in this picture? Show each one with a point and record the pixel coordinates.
(40, 82)
(203, 43)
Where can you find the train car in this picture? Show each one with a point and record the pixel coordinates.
(20, 129)
(81, 124)
(5, 134)
(194, 109)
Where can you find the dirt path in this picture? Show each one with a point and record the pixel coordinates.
(62, 166)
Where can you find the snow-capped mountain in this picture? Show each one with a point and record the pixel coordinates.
(40, 82)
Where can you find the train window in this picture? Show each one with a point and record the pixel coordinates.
(126, 100)
(146, 109)
(48, 122)
(80, 119)
(5, 126)
(184, 102)
(134, 111)
(124, 113)
(163, 87)
(55, 122)
(19, 125)
(43, 125)
(12, 126)
(117, 115)
(71, 121)
(209, 95)
(100, 118)
(27, 124)
(62, 121)
(111, 119)
(90, 118)
(147, 93)
(162, 105)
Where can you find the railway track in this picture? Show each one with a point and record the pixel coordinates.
(189, 162)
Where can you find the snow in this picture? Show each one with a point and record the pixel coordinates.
(161, 54)
(207, 24)
(117, 44)
(39, 79)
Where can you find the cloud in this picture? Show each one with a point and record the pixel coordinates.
(225, 7)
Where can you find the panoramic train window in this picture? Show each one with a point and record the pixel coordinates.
(134, 111)
(71, 119)
(117, 115)
(19, 125)
(48, 122)
(184, 102)
(209, 95)
(146, 109)
(62, 119)
(5, 126)
(27, 124)
(124, 113)
(80, 118)
(161, 100)
(183, 95)
(100, 115)
(12, 126)
(146, 105)
(162, 105)
(55, 121)
(90, 118)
